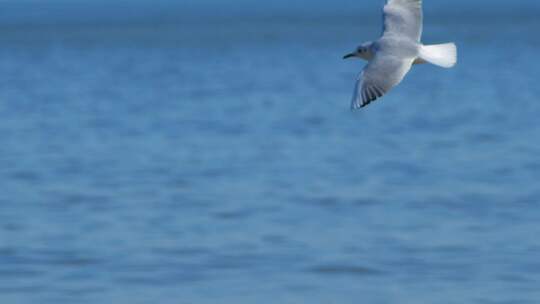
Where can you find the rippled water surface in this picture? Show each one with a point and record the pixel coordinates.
(221, 164)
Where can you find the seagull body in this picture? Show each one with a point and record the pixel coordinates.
(391, 57)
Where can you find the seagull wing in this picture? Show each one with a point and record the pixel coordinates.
(403, 18)
(382, 74)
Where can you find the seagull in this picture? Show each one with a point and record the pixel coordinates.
(391, 57)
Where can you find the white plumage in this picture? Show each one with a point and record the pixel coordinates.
(391, 57)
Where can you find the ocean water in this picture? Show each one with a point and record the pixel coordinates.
(220, 163)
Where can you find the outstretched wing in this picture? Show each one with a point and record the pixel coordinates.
(403, 18)
(378, 77)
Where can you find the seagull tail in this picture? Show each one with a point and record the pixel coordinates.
(443, 55)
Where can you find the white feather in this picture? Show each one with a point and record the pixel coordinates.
(391, 57)
(443, 55)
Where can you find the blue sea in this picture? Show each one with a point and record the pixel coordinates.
(209, 163)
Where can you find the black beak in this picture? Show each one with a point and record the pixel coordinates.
(349, 56)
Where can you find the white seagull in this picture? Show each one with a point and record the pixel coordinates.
(392, 56)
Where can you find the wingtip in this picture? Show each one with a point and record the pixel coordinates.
(355, 106)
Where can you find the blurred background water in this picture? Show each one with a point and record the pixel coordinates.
(162, 158)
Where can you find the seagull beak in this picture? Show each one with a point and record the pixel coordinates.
(349, 56)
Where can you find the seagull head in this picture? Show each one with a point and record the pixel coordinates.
(364, 51)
